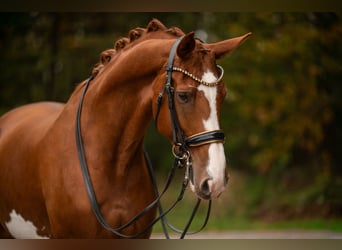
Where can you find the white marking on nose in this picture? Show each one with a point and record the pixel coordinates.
(210, 93)
(22, 229)
(217, 160)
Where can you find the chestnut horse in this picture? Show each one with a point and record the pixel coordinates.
(42, 191)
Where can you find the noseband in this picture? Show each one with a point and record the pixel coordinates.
(180, 150)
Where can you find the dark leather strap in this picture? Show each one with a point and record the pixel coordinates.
(205, 138)
(177, 132)
(169, 66)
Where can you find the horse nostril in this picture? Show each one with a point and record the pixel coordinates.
(205, 188)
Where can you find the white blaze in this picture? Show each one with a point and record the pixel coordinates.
(22, 229)
(217, 161)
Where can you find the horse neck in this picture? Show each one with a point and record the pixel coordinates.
(116, 112)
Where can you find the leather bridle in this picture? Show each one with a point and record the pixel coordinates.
(182, 159)
(181, 142)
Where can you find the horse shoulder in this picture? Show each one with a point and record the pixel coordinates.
(28, 118)
(21, 131)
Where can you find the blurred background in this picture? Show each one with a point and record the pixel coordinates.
(282, 115)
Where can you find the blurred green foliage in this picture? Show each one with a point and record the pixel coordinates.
(282, 114)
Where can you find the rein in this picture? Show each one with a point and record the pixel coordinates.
(182, 159)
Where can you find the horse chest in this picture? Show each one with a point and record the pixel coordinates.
(22, 229)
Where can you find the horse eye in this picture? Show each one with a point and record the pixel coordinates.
(184, 97)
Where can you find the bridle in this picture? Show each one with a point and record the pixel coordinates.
(182, 144)
(180, 150)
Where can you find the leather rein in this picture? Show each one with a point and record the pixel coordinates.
(180, 150)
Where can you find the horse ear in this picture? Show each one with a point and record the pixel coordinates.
(187, 45)
(227, 46)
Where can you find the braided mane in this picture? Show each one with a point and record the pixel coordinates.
(133, 35)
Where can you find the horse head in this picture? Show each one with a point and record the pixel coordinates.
(189, 115)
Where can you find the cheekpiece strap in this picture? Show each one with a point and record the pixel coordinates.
(169, 66)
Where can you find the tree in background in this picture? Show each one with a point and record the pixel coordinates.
(285, 110)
